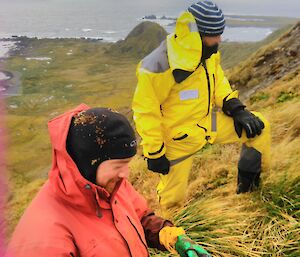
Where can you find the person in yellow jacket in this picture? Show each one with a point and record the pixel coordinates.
(180, 84)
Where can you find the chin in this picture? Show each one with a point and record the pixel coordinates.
(112, 185)
(110, 188)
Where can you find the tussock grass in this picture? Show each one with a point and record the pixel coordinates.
(263, 223)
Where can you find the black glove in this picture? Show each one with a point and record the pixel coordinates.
(160, 165)
(244, 119)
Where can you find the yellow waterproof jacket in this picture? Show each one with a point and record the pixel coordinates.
(168, 108)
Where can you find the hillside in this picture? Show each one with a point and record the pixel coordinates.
(265, 223)
(140, 41)
(269, 64)
(235, 52)
(77, 71)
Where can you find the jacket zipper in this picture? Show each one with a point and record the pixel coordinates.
(98, 211)
(123, 238)
(138, 234)
(99, 215)
(112, 199)
(208, 85)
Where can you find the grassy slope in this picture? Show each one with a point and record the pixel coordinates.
(270, 63)
(264, 223)
(87, 76)
(234, 52)
(261, 224)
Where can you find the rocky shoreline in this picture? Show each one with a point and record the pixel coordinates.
(10, 80)
(14, 46)
(21, 42)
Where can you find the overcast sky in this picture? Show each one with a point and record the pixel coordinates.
(289, 8)
(260, 7)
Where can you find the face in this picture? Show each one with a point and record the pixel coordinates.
(110, 172)
(210, 41)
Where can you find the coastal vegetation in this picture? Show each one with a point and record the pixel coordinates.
(58, 74)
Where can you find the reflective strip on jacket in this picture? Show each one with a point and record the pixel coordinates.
(165, 109)
(72, 217)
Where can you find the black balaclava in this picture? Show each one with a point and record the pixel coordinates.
(96, 135)
(208, 51)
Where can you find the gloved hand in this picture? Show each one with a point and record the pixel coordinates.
(188, 248)
(168, 237)
(159, 165)
(244, 119)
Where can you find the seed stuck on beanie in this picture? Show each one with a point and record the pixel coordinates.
(209, 18)
(96, 135)
(83, 119)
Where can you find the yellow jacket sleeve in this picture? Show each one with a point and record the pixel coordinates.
(149, 94)
(222, 87)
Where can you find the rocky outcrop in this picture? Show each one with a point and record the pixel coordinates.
(140, 41)
(269, 64)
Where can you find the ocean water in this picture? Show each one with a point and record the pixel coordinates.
(113, 20)
(236, 34)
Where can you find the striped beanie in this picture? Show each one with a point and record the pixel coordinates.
(209, 18)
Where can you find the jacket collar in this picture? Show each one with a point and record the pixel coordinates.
(67, 184)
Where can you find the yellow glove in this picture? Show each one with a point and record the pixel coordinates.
(168, 237)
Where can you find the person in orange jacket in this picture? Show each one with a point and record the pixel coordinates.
(87, 207)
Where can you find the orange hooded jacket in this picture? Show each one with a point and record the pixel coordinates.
(71, 216)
